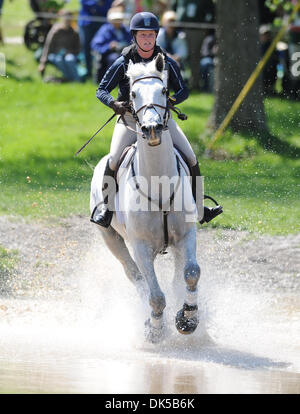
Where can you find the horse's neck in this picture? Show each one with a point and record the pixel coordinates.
(157, 161)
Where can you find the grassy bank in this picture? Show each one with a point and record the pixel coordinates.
(42, 126)
(17, 13)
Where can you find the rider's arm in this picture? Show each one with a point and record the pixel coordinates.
(177, 84)
(111, 79)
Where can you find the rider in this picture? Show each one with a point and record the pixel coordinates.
(144, 28)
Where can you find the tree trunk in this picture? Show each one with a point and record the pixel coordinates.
(237, 56)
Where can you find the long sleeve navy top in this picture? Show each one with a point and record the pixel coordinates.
(116, 76)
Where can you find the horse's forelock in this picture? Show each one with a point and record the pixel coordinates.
(138, 70)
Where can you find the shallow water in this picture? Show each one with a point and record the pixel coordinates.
(91, 341)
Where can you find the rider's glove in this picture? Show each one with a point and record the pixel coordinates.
(118, 107)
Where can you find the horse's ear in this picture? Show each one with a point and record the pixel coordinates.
(160, 62)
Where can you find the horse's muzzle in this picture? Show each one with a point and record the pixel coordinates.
(153, 134)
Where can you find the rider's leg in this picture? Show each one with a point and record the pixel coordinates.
(122, 137)
(103, 215)
(209, 213)
(182, 143)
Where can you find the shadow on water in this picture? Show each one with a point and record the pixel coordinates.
(223, 355)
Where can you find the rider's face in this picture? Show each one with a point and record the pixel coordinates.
(146, 39)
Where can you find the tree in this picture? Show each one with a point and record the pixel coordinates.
(237, 56)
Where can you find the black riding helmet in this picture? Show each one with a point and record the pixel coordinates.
(144, 21)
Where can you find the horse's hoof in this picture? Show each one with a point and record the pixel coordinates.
(187, 319)
(153, 334)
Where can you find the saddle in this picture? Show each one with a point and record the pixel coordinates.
(126, 159)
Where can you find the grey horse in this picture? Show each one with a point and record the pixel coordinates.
(154, 204)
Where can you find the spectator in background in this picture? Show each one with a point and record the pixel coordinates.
(207, 61)
(172, 40)
(194, 11)
(109, 41)
(61, 48)
(269, 74)
(88, 26)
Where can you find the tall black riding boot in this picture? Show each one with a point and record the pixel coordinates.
(208, 213)
(103, 215)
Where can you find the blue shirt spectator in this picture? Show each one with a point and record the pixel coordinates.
(108, 34)
(109, 42)
(88, 25)
(92, 8)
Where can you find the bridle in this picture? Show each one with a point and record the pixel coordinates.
(150, 106)
(134, 113)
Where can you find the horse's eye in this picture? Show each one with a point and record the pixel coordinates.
(164, 91)
(133, 94)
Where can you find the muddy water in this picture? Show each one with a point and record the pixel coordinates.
(89, 337)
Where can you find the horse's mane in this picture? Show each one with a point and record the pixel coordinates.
(136, 70)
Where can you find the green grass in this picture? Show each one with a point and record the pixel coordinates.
(42, 126)
(17, 13)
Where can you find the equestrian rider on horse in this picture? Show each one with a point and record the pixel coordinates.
(144, 28)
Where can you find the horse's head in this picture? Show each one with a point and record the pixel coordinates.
(148, 95)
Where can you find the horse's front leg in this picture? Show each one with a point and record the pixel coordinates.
(144, 257)
(117, 246)
(187, 317)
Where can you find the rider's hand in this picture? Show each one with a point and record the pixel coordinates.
(118, 107)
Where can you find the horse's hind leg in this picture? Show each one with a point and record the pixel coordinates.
(117, 246)
(187, 318)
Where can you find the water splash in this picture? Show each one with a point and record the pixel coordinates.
(97, 333)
